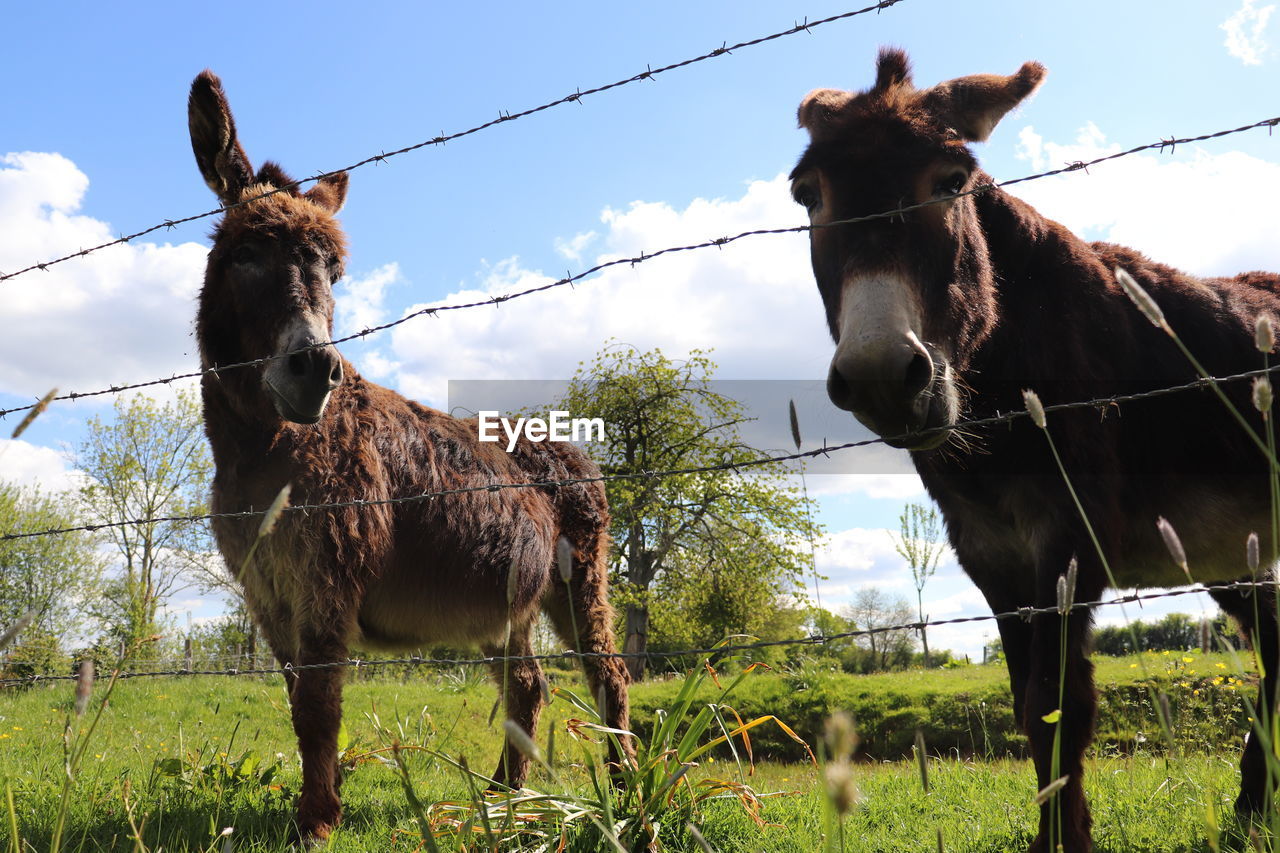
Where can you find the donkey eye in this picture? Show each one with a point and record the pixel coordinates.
(806, 196)
(952, 184)
(244, 254)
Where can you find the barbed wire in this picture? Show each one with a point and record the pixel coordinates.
(1023, 613)
(768, 459)
(503, 117)
(643, 257)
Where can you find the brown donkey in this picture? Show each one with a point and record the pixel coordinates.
(394, 576)
(948, 311)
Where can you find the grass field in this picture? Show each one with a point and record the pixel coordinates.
(175, 761)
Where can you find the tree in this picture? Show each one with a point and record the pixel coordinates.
(920, 543)
(150, 463)
(662, 414)
(873, 610)
(1175, 632)
(725, 591)
(52, 575)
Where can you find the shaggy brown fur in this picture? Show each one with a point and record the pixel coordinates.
(390, 576)
(981, 297)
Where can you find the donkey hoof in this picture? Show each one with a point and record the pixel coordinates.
(1248, 806)
(314, 831)
(313, 839)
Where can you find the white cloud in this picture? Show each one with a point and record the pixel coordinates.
(360, 301)
(865, 555)
(1203, 212)
(900, 487)
(573, 248)
(754, 302)
(124, 313)
(858, 549)
(32, 465)
(1246, 32)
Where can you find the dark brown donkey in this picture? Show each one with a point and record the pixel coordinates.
(378, 576)
(948, 311)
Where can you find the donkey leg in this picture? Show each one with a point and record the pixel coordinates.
(1064, 819)
(316, 705)
(276, 623)
(587, 612)
(523, 682)
(1255, 610)
(1015, 642)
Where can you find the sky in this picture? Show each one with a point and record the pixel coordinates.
(95, 144)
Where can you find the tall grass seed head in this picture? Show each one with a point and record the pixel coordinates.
(922, 760)
(12, 632)
(1173, 543)
(1262, 394)
(1264, 334)
(35, 412)
(1043, 795)
(520, 739)
(841, 736)
(513, 580)
(84, 687)
(274, 511)
(1139, 296)
(1251, 553)
(1034, 407)
(564, 558)
(841, 789)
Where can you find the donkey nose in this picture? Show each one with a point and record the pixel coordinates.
(316, 367)
(881, 384)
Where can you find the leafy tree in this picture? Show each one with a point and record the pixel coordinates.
(711, 594)
(920, 543)
(824, 623)
(662, 414)
(149, 463)
(54, 575)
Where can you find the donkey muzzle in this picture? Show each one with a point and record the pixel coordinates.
(299, 384)
(896, 390)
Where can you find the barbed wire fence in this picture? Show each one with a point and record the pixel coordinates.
(1097, 403)
(503, 117)
(643, 257)
(208, 665)
(721, 650)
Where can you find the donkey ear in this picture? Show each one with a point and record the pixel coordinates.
(974, 105)
(221, 159)
(330, 192)
(820, 106)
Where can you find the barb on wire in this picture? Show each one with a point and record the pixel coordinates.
(570, 280)
(769, 459)
(1024, 613)
(503, 116)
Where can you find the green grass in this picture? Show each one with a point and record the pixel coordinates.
(196, 755)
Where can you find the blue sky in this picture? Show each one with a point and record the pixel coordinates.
(99, 96)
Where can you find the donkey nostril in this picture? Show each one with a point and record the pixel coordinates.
(335, 375)
(919, 374)
(838, 389)
(298, 364)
